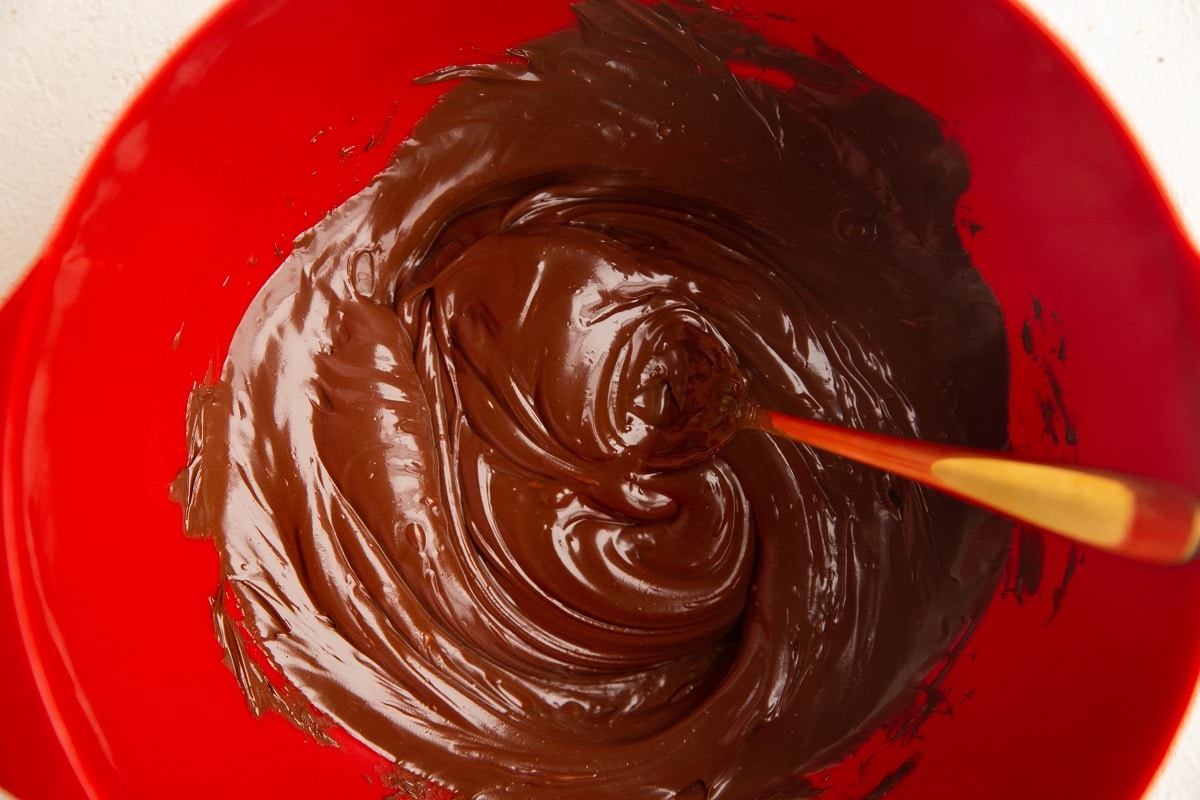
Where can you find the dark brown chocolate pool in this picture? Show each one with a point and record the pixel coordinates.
(443, 464)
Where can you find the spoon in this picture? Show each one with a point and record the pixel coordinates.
(1132, 516)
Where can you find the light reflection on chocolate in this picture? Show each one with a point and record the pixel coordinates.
(446, 465)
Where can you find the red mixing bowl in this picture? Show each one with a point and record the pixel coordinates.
(276, 111)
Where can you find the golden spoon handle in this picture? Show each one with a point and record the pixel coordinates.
(1133, 516)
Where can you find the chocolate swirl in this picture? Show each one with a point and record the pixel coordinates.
(449, 464)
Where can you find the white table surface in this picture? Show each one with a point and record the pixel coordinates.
(68, 67)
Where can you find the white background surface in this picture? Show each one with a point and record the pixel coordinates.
(68, 67)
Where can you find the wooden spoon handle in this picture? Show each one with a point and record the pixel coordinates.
(1133, 516)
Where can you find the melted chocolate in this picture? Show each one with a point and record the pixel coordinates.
(451, 464)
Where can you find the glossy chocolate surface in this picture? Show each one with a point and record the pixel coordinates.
(448, 464)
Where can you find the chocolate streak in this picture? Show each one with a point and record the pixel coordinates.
(443, 465)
